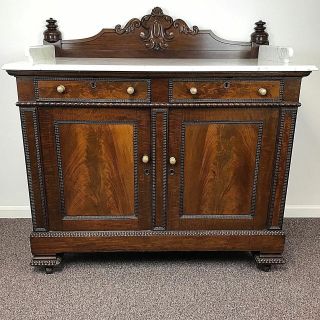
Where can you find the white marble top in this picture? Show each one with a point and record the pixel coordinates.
(175, 65)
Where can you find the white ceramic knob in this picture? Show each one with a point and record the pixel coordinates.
(262, 91)
(193, 90)
(145, 159)
(130, 90)
(172, 160)
(61, 88)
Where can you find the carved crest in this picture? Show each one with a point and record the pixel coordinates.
(157, 29)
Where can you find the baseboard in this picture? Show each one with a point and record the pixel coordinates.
(302, 211)
(15, 212)
(292, 211)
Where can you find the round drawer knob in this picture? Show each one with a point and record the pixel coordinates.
(193, 90)
(61, 88)
(172, 160)
(145, 159)
(130, 90)
(262, 91)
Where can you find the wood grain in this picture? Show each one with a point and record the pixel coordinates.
(92, 89)
(84, 147)
(217, 90)
(269, 243)
(216, 163)
(225, 172)
(98, 164)
(98, 168)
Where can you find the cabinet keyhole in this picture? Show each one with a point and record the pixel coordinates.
(226, 85)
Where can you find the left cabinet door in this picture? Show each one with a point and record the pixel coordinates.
(95, 178)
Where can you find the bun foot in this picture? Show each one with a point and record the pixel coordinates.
(264, 261)
(48, 262)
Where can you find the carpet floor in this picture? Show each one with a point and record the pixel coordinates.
(163, 285)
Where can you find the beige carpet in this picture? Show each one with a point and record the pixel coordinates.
(161, 286)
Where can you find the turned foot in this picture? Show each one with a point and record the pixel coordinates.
(48, 262)
(264, 261)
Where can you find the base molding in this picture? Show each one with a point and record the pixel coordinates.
(56, 242)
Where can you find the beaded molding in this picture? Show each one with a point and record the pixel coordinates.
(222, 104)
(154, 113)
(29, 169)
(150, 233)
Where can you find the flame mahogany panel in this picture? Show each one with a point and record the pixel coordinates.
(225, 173)
(98, 168)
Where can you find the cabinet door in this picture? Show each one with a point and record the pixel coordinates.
(223, 170)
(94, 176)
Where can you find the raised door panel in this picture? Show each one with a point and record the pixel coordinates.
(223, 173)
(93, 175)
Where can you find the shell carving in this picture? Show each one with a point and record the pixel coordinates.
(157, 29)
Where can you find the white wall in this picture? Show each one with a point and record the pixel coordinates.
(290, 22)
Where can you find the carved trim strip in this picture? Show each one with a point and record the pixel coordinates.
(110, 100)
(150, 233)
(218, 216)
(222, 104)
(57, 123)
(164, 113)
(191, 100)
(156, 29)
(288, 162)
(255, 177)
(269, 260)
(276, 168)
(256, 169)
(100, 218)
(39, 167)
(28, 165)
(283, 113)
(45, 261)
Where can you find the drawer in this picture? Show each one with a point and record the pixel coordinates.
(215, 90)
(93, 89)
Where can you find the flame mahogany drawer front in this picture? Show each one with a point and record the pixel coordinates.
(93, 89)
(213, 90)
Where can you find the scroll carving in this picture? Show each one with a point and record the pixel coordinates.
(157, 29)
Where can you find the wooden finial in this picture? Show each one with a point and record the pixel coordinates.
(260, 36)
(52, 34)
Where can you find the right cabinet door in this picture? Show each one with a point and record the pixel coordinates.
(223, 172)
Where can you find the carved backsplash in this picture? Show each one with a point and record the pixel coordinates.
(155, 35)
(157, 29)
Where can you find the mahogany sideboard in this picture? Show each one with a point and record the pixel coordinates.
(157, 137)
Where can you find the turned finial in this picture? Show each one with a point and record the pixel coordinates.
(260, 36)
(52, 34)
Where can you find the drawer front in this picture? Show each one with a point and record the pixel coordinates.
(186, 90)
(110, 90)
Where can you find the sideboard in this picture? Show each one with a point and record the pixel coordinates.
(157, 137)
